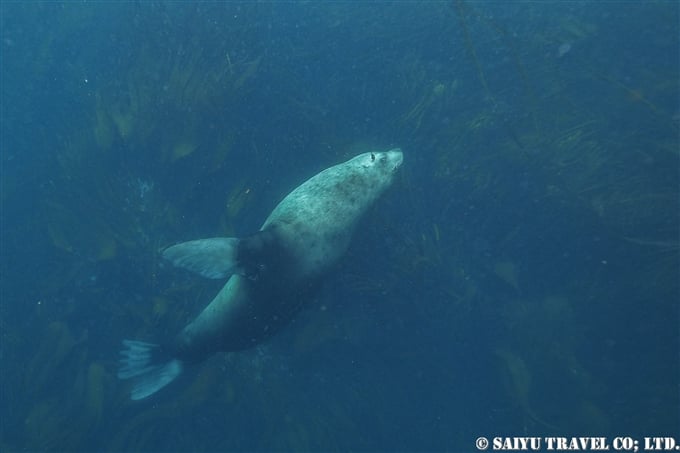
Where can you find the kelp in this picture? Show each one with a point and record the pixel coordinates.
(67, 420)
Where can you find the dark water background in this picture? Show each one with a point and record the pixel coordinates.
(521, 277)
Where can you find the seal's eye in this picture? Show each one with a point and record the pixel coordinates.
(372, 157)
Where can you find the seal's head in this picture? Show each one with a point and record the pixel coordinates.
(378, 167)
(386, 161)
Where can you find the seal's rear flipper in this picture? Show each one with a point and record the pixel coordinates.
(211, 258)
(148, 375)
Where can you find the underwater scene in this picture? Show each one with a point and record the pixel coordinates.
(518, 277)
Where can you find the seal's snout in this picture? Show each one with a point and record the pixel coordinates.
(396, 157)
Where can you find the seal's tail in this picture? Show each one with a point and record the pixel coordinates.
(148, 372)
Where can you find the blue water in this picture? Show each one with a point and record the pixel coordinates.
(519, 279)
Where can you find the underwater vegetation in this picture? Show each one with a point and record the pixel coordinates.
(608, 178)
(540, 196)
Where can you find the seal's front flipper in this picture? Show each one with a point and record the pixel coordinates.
(212, 258)
(148, 372)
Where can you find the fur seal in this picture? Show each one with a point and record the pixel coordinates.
(271, 273)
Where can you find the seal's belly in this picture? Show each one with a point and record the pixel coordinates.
(245, 312)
